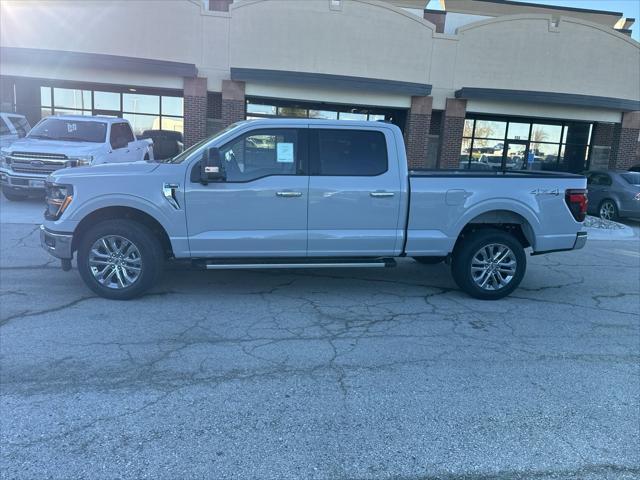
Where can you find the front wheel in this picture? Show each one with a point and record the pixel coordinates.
(488, 264)
(119, 259)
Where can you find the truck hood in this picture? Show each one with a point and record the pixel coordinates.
(103, 170)
(52, 146)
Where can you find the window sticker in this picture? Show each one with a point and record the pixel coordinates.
(284, 152)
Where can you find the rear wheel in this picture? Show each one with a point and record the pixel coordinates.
(488, 264)
(13, 196)
(608, 210)
(120, 259)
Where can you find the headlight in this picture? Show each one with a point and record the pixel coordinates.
(80, 161)
(3, 158)
(58, 199)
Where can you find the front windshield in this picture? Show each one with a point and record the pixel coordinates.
(184, 155)
(70, 130)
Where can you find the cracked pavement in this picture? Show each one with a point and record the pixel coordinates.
(321, 374)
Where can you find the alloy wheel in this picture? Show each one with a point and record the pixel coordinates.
(115, 262)
(607, 211)
(493, 266)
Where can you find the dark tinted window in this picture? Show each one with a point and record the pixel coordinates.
(4, 129)
(21, 125)
(599, 179)
(632, 177)
(69, 130)
(261, 153)
(121, 135)
(349, 152)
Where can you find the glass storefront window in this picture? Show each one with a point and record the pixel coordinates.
(465, 151)
(326, 114)
(292, 112)
(376, 118)
(175, 124)
(352, 116)
(518, 131)
(106, 101)
(45, 96)
(173, 106)
(468, 127)
(490, 129)
(64, 111)
(140, 123)
(546, 133)
(71, 98)
(138, 103)
(261, 109)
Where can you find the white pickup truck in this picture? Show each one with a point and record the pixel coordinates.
(66, 141)
(298, 193)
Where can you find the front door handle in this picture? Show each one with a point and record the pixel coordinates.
(289, 194)
(381, 194)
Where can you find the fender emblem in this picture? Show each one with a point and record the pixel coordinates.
(544, 191)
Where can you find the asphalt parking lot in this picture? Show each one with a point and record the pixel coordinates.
(320, 374)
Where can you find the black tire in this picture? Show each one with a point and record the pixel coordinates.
(611, 207)
(148, 245)
(471, 245)
(13, 196)
(429, 260)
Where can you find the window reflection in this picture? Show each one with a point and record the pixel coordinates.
(70, 98)
(546, 133)
(140, 123)
(326, 114)
(519, 131)
(173, 106)
(106, 100)
(138, 103)
(490, 129)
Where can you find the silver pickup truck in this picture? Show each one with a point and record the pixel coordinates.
(305, 194)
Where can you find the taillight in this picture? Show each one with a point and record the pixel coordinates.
(577, 202)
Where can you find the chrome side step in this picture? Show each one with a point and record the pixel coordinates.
(375, 263)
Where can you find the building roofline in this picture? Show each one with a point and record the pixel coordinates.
(97, 60)
(620, 104)
(330, 81)
(550, 7)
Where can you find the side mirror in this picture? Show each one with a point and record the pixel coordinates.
(211, 168)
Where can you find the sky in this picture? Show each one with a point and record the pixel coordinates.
(630, 8)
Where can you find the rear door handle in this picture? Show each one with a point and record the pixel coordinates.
(289, 194)
(381, 194)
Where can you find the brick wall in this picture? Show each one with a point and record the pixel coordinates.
(451, 137)
(195, 110)
(626, 150)
(624, 147)
(603, 134)
(214, 105)
(233, 102)
(416, 135)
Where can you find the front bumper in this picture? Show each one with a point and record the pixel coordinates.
(20, 182)
(57, 244)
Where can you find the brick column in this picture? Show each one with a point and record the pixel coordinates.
(233, 103)
(417, 131)
(625, 141)
(195, 110)
(452, 128)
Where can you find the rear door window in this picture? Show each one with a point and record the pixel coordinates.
(346, 152)
(4, 128)
(121, 135)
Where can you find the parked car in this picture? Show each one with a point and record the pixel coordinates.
(495, 161)
(12, 127)
(614, 194)
(348, 200)
(166, 143)
(58, 142)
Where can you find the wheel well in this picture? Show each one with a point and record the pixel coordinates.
(506, 220)
(119, 213)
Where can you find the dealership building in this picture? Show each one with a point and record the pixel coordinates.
(557, 88)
